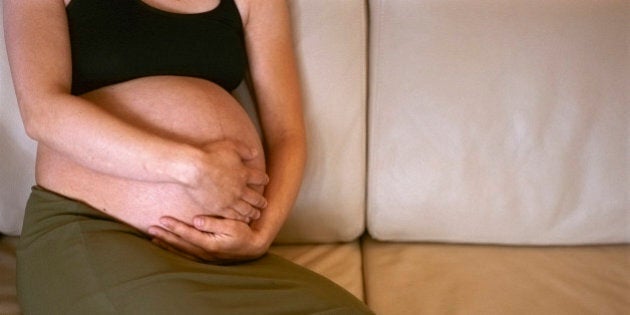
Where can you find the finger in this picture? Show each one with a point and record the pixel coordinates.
(246, 209)
(189, 234)
(256, 177)
(254, 198)
(244, 151)
(217, 226)
(232, 214)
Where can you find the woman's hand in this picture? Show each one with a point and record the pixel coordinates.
(224, 184)
(211, 239)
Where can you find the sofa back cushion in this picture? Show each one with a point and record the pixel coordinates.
(499, 121)
(330, 39)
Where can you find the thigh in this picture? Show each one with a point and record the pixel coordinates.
(74, 260)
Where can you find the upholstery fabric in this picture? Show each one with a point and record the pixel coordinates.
(407, 278)
(499, 121)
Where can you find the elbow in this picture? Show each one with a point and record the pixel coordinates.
(38, 109)
(30, 123)
(31, 129)
(32, 119)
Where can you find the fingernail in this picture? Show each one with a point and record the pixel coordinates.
(152, 231)
(198, 222)
(166, 222)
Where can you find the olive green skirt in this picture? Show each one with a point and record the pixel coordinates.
(73, 259)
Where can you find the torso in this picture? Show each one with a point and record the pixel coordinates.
(185, 109)
(182, 108)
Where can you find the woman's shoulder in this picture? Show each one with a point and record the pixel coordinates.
(248, 8)
(243, 8)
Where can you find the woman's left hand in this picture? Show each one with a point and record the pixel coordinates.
(211, 239)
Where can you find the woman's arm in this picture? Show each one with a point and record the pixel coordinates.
(38, 45)
(276, 83)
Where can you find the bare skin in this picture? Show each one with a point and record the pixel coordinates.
(148, 151)
(182, 109)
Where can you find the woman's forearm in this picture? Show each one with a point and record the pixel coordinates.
(104, 143)
(285, 165)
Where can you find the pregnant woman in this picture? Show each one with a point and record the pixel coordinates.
(154, 194)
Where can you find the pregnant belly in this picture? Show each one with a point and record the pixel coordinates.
(188, 110)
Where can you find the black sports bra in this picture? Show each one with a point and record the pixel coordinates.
(114, 41)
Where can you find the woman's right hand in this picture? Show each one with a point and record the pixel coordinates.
(224, 183)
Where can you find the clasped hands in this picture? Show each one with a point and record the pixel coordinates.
(230, 192)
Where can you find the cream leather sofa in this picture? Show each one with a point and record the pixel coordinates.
(466, 156)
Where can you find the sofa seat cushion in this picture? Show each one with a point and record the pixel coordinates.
(413, 278)
(8, 294)
(340, 263)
